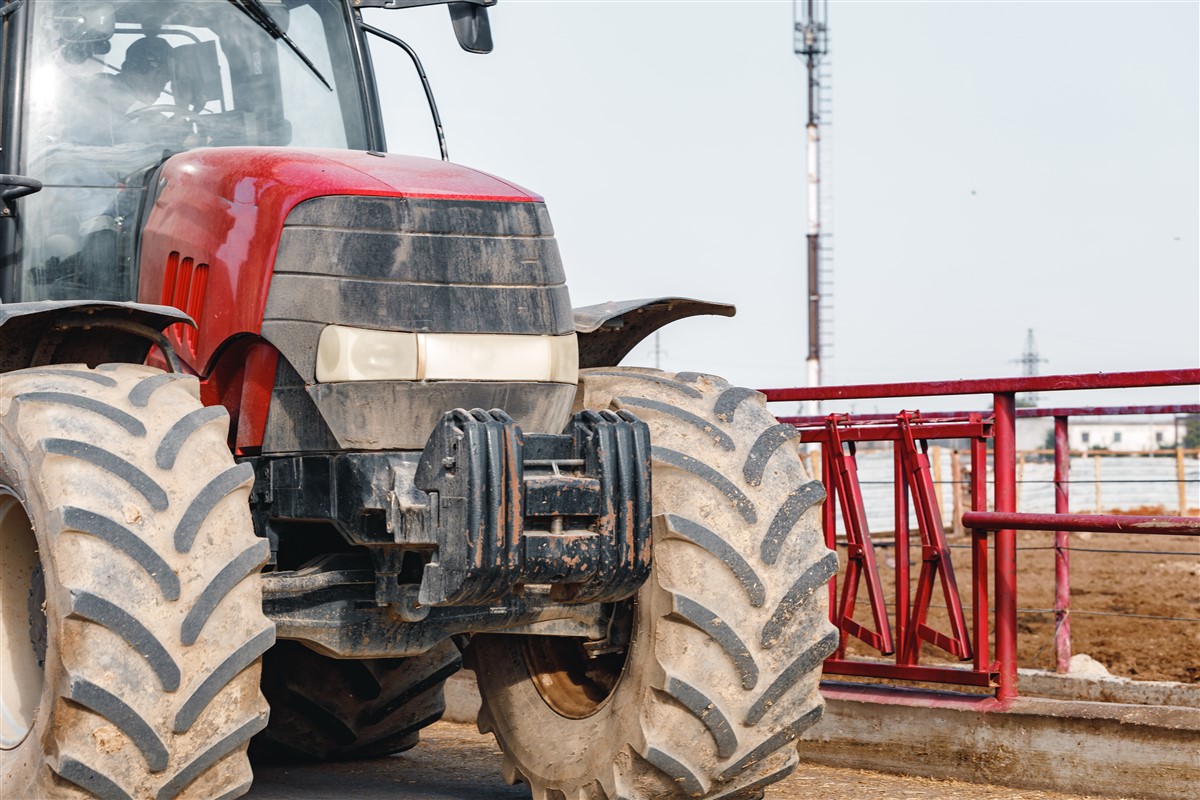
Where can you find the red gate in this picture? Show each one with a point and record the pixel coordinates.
(901, 636)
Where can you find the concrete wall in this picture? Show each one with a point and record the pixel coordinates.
(1078, 746)
(1081, 747)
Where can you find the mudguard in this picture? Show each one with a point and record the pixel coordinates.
(81, 332)
(608, 331)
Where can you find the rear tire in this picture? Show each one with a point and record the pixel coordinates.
(341, 709)
(143, 680)
(729, 632)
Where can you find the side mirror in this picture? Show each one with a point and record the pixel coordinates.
(471, 27)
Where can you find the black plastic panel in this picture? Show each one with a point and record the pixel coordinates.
(412, 264)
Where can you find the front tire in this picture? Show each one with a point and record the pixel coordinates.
(728, 634)
(139, 645)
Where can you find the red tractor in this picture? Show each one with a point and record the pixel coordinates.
(292, 428)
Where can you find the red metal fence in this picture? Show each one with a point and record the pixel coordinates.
(993, 623)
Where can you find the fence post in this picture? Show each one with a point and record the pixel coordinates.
(1062, 552)
(935, 453)
(829, 517)
(1099, 505)
(979, 556)
(956, 492)
(1020, 479)
(1179, 475)
(901, 552)
(1004, 458)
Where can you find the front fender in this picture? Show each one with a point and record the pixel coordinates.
(608, 331)
(80, 332)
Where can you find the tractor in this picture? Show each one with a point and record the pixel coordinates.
(292, 429)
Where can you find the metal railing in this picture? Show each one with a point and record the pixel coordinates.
(993, 624)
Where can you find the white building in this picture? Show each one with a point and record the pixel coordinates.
(1130, 434)
(1127, 434)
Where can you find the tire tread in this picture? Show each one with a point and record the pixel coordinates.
(102, 503)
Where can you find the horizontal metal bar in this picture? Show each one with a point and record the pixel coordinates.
(870, 669)
(855, 419)
(959, 416)
(882, 433)
(1108, 411)
(1034, 383)
(1092, 523)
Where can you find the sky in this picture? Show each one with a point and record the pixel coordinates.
(997, 166)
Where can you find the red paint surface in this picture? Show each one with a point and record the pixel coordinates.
(225, 207)
(1088, 523)
(1004, 500)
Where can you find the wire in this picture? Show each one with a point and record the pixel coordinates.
(1046, 481)
(885, 543)
(1107, 481)
(1075, 613)
(1073, 549)
(1138, 552)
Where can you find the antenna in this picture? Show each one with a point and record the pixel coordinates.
(811, 43)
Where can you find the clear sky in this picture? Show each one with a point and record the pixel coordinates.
(998, 166)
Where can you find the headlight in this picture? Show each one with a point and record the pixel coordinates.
(356, 354)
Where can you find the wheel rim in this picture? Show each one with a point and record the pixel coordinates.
(21, 625)
(573, 684)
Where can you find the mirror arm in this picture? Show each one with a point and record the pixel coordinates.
(437, 120)
(13, 187)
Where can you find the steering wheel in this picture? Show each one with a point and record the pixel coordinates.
(168, 113)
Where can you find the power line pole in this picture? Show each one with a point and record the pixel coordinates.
(811, 42)
(1029, 361)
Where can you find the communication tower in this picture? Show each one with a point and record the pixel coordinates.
(811, 43)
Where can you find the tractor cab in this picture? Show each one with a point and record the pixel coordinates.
(99, 95)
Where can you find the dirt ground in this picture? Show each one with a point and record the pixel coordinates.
(454, 762)
(1135, 602)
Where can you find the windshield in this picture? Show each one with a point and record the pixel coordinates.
(115, 88)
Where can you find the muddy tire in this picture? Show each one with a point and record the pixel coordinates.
(340, 709)
(134, 648)
(728, 634)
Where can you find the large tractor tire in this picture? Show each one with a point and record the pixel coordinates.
(728, 634)
(132, 624)
(342, 709)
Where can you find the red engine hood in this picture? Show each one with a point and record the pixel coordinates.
(210, 240)
(303, 174)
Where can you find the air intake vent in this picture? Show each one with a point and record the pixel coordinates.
(183, 287)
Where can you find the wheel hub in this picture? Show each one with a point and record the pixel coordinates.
(22, 622)
(574, 682)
